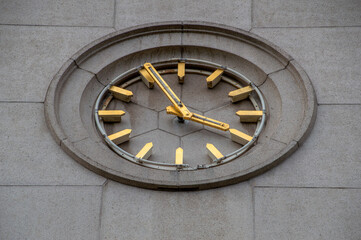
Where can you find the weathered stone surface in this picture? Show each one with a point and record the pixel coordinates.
(130, 13)
(332, 72)
(330, 157)
(305, 13)
(58, 212)
(29, 155)
(307, 213)
(132, 213)
(63, 13)
(31, 56)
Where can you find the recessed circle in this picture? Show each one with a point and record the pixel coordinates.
(77, 92)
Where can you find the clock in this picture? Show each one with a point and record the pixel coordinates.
(185, 138)
(180, 106)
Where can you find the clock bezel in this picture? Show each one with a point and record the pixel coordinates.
(79, 145)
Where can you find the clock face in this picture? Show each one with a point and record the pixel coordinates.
(180, 106)
(180, 114)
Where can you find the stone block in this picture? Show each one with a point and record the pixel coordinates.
(329, 56)
(307, 213)
(31, 56)
(49, 212)
(304, 13)
(223, 213)
(330, 156)
(228, 12)
(59, 13)
(30, 156)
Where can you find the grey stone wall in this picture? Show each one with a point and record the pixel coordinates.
(314, 194)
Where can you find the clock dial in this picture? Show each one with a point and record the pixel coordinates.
(119, 106)
(172, 103)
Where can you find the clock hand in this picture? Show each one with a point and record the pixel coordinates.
(177, 103)
(200, 119)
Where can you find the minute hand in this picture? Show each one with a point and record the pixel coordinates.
(177, 103)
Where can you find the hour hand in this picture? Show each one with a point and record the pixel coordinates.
(177, 103)
(201, 119)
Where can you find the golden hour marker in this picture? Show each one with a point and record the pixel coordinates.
(214, 78)
(213, 152)
(179, 156)
(147, 79)
(181, 71)
(111, 115)
(239, 137)
(146, 151)
(121, 93)
(240, 94)
(249, 116)
(121, 136)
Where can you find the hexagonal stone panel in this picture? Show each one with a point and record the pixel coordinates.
(155, 98)
(228, 115)
(164, 145)
(170, 123)
(194, 146)
(195, 93)
(137, 118)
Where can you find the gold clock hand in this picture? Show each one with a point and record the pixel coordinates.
(201, 119)
(177, 103)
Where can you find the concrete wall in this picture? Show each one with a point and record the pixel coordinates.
(314, 194)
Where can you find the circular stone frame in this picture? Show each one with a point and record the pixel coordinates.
(288, 91)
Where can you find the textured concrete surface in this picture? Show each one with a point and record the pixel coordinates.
(224, 213)
(28, 153)
(314, 194)
(49, 212)
(60, 13)
(330, 157)
(306, 13)
(307, 213)
(228, 12)
(31, 55)
(328, 55)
